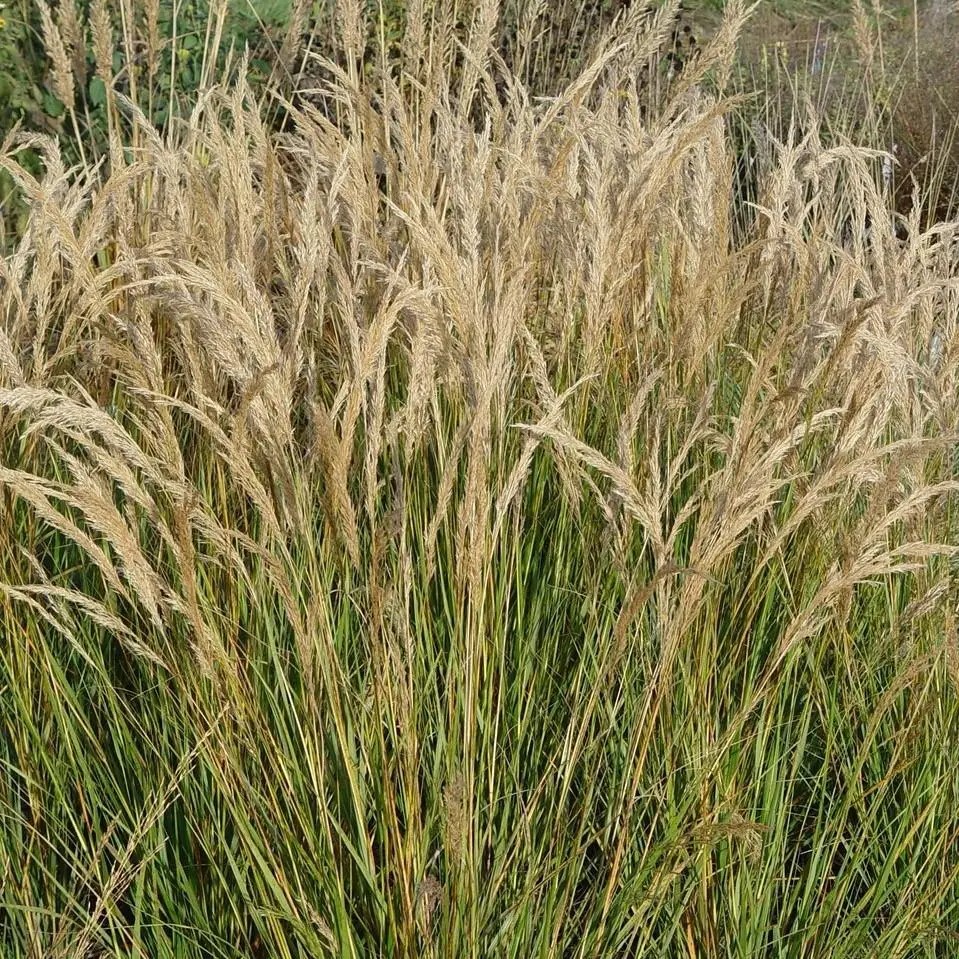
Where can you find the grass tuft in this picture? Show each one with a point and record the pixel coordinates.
(468, 523)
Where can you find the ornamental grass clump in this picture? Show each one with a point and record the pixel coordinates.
(433, 529)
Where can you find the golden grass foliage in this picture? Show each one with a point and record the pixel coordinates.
(301, 421)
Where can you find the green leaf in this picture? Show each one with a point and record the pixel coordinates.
(97, 92)
(275, 12)
(52, 107)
